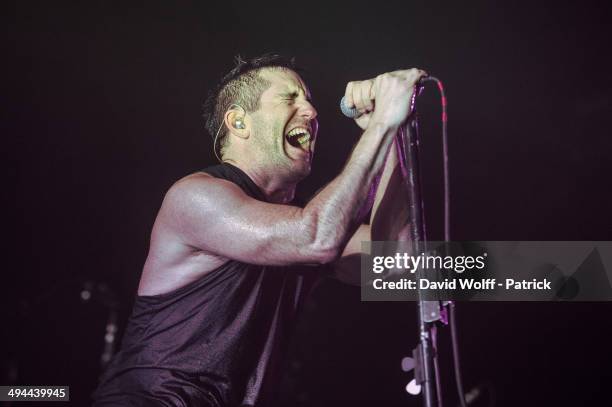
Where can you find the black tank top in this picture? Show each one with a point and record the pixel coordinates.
(215, 341)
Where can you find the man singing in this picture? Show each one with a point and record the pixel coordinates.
(229, 253)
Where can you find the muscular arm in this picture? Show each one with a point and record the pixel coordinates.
(389, 212)
(389, 218)
(204, 220)
(215, 216)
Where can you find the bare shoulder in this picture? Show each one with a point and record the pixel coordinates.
(201, 185)
(215, 217)
(177, 252)
(199, 192)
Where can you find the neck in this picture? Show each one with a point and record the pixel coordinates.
(275, 189)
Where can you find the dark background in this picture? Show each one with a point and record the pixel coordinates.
(102, 113)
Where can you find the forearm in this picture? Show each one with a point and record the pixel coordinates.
(336, 209)
(390, 212)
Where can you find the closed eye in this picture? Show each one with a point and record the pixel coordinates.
(290, 96)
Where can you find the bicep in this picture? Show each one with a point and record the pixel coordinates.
(216, 216)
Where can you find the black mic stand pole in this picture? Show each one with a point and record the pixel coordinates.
(428, 311)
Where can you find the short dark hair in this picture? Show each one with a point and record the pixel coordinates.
(243, 86)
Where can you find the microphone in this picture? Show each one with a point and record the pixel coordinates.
(351, 112)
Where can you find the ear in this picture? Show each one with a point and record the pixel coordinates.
(232, 118)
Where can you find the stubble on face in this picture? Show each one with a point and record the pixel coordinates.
(277, 113)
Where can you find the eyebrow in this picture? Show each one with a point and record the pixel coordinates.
(289, 93)
(295, 93)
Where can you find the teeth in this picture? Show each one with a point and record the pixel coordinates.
(299, 135)
(297, 131)
(304, 139)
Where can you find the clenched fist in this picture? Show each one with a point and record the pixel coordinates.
(384, 99)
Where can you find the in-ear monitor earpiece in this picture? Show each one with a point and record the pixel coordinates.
(239, 124)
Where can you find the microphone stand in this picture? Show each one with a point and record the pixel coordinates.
(428, 311)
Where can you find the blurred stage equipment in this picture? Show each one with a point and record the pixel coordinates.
(424, 360)
(103, 294)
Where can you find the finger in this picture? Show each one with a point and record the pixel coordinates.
(375, 86)
(421, 73)
(348, 96)
(412, 76)
(358, 97)
(365, 96)
(372, 89)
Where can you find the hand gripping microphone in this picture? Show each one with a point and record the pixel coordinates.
(352, 112)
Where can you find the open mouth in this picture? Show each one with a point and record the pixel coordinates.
(298, 137)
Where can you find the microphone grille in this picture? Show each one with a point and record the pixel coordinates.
(347, 111)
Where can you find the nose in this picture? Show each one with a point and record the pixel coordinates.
(308, 111)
